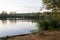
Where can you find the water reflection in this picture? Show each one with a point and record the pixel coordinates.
(15, 27)
(4, 21)
(16, 20)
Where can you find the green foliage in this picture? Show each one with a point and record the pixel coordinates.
(51, 22)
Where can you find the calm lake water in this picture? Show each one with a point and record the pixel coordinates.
(16, 27)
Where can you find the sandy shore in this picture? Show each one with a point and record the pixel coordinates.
(54, 35)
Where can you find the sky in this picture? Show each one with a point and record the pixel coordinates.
(20, 6)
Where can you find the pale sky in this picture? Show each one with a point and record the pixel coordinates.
(20, 6)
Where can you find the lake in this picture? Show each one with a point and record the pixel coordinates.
(16, 27)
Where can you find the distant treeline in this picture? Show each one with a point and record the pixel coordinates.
(5, 15)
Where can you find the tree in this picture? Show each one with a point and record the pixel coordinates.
(52, 4)
(52, 20)
(3, 15)
(12, 14)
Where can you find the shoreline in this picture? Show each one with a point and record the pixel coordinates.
(47, 35)
(16, 35)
